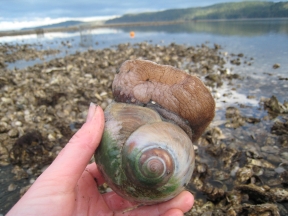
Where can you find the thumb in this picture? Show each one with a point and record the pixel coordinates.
(74, 157)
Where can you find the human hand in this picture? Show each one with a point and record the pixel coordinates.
(68, 187)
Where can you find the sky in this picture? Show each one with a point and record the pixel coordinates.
(18, 13)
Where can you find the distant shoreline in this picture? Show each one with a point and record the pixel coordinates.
(86, 26)
(81, 28)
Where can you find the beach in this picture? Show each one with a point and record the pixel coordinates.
(241, 159)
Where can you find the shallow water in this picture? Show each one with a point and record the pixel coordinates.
(266, 41)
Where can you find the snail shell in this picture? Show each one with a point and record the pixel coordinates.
(146, 153)
(142, 158)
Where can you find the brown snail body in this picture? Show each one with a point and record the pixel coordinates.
(146, 153)
(141, 81)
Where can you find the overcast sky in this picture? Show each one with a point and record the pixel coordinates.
(85, 8)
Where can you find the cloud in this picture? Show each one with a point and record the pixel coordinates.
(76, 8)
(29, 8)
(17, 24)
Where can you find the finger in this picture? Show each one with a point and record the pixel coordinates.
(183, 202)
(174, 212)
(115, 202)
(86, 193)
(95, 173)
(74, 157)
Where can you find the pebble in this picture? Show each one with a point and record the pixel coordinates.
(7, 100)
(32, 180)
(24, 190)
(269, 173)
(44, 168)
(4, 158)
(98, 96)
(12, 187)
(19, 173)
(280, 169)
(284, 155)
(270, 149)
(51, 137)
(88, 75)
(274, 158)
(18, 123)
(3, 127)
(13, 133)
(275, 66)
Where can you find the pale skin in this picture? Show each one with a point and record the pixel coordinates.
(69, 186)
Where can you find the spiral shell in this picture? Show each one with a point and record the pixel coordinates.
(146, 153)
(142, 158)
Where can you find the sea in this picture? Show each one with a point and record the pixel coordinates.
(262, 42)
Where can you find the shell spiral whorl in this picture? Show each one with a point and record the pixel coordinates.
(151, 167)
(151, 164)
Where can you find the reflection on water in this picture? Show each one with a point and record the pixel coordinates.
(238, 28)
(247, 28)
(86, 38)
(39, 32)
(55, 35)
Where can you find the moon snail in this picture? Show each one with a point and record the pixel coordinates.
(146, 153)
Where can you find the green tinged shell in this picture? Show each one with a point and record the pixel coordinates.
(142, 158)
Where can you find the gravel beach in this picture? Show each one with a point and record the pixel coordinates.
(242, 158)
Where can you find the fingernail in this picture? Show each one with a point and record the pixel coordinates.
(91, 111)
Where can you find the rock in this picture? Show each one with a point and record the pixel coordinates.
(18, 123)
(232, 112)
(273, 105)
(262, 209)
(280, 128)
(51, 137)
(279, 194)
(235, 61)
(275, 66)
(215, 78)
(24, 190)
(284, 177)
(19, 173)
(284, 155)
(13, 133)
(12, 187)
(3, 127)
(4, 158)
(29, 150)
(270, 149)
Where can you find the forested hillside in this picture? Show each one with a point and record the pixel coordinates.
(237, 10)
